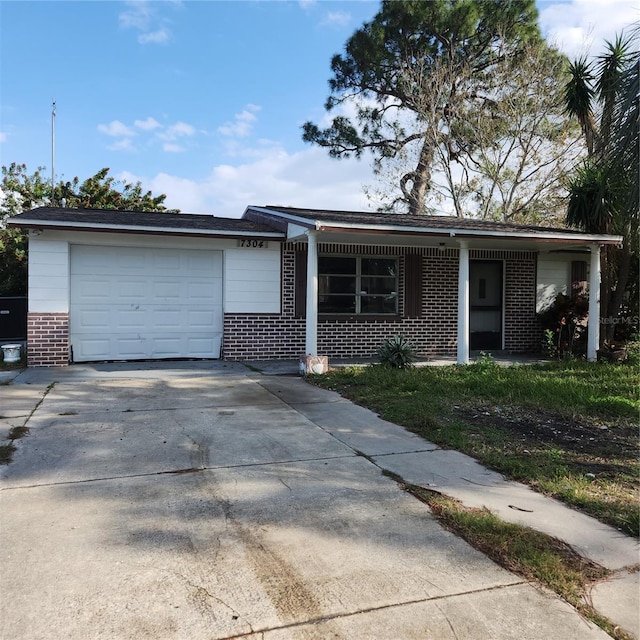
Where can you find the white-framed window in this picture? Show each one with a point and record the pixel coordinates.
(363, 285)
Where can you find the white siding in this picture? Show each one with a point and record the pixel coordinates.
(251, 276)
(554, 275)
(252, 280)
(48, 274)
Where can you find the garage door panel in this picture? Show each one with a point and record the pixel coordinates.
(132, 291)
(202, 345)
(91, 349)
(202, 319)
(167, 261)
(167, 347)
(89, 262)
(133, 347)
(168, 289)
(128, 319)
(202, 293)
(92, 320)
(93, 287)
(167, 319)
(130, 261)
(203, 264)
(141, 303)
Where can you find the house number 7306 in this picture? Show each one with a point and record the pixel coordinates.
(253, 244)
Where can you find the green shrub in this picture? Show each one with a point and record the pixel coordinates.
(564, 327)
(397, 352)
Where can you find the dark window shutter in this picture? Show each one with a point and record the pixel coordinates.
(412, 285)
(301, 284)
(578, 277)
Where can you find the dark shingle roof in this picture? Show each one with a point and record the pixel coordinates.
(62, 217)
(270, 222)
(403, 220)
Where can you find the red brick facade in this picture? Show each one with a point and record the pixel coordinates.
(255, 337)
(522, 330)
(47, 339)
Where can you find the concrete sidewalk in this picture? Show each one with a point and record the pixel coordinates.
(182, 501)
(417, 461)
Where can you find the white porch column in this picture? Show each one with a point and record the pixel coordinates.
(311, 339)
(593, 327)
(463, 303)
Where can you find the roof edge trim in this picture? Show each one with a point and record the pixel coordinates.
(89, 226)
(466, 233)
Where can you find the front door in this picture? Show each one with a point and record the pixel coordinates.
(485, 300)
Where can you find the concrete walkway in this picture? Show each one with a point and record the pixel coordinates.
(204, 500)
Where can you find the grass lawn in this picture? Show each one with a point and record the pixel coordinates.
(568, 429)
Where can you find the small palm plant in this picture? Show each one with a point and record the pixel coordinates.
(397, 352)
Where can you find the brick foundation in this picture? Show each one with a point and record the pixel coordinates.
(434, 333)
(47, 339)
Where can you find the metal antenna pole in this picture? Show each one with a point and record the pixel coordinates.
(53, 152)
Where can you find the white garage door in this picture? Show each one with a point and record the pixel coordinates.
(144, 303)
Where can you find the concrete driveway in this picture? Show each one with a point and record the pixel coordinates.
(203, 503)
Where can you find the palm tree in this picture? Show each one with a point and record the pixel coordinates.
(603, 194)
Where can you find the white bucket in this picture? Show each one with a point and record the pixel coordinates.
(11, 352)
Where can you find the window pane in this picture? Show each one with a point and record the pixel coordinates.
(336, 304)
(332, 264)
(336, 284)
(349, 285)
(378, 304)
(379, 267)
(378, 285)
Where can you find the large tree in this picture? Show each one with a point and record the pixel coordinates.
(508, 161)
(21, 191)
(604, 194)
(459, 44)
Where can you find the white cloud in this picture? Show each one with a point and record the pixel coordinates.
(337, 18)
(174, 132)
(579, 27)
(3, 136)
(116, 129)
(137, 15)
(147, 125)
(172, 147)
(159, 36)
(179, 129)
(242, 124)
(306, 178)
(122, 145)
(152, 130)
(142, 16)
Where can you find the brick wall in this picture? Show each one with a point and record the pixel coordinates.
(256, 337)
(47, 339)
(521, 331)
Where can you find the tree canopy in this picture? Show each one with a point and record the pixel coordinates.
(508, 161)
(21, 191)
(415, 74)
(604, 195)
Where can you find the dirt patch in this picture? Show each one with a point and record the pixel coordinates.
(618, 439)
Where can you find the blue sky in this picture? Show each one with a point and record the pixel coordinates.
(203, 101)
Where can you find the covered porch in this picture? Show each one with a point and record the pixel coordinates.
(464, 240)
